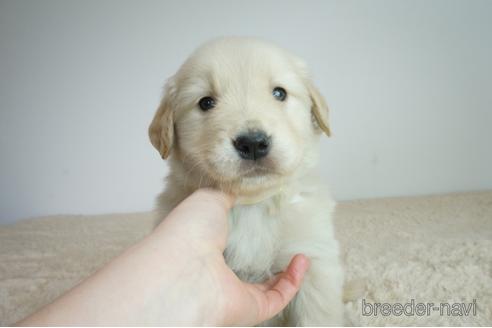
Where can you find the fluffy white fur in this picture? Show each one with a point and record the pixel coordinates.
(282, 210)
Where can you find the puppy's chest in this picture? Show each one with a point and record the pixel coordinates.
(253, 243)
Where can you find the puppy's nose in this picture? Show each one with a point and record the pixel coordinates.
(252, 145)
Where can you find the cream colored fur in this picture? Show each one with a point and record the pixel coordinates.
(282, 210)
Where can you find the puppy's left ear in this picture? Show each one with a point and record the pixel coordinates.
(319, 108)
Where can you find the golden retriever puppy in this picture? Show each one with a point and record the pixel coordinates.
(243, 116)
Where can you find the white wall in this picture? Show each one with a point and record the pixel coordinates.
(409, 84)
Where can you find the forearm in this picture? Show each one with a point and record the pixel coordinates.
(138, 287)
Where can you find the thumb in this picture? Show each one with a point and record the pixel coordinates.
(273, 296)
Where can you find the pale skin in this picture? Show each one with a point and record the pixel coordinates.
(177, 275)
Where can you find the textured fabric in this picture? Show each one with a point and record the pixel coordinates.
(432, 249)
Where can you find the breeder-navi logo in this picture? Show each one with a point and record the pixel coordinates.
(419, 309)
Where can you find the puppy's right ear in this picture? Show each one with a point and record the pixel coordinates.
(161, 130)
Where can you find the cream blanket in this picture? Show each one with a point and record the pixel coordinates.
(435, 249)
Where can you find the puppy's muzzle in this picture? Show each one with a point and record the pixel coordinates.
(252, 145)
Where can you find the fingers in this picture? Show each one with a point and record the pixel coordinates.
(203, 203)
(284, 289)
(208, 202)
(216, 196)
(199, 220)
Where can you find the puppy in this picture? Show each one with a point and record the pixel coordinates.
(242, 115)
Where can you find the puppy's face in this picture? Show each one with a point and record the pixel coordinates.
(240, 114)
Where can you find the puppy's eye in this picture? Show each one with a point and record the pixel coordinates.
(279, 93)
(206, 103)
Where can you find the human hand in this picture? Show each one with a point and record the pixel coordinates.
(176, 276)
(202, 240)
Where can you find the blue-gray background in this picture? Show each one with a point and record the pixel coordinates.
(409, 84)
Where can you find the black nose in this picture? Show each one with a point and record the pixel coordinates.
(252, 145)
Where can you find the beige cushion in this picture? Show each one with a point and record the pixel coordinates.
(430, 249)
